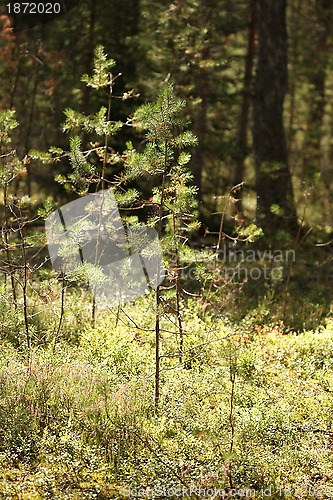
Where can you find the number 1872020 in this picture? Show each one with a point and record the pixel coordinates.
(33, 8)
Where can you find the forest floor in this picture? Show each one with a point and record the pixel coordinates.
(246, 413)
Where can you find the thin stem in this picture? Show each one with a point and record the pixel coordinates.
(93, 312)
(62, 312)
(25, 282)
(158, 289)
(106, 143)
(232, 371)
(178, 291)
(8, 255)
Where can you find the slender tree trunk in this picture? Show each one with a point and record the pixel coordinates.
(29, 129)
(275, 201)
(90, 54)
(246, 104)
(317, 79)
(158, 290)
(200, 128)
(201, 81)
(89, 63)
(295, 24)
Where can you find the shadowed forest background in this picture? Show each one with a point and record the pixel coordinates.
(235, 88)
(213, 123)
(257, 83)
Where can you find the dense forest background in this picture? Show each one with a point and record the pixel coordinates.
(256, 76)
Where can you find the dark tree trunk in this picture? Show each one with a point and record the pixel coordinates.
(241, 152)
(273, 178)
(200, 130)
(202, 90)
(90, 55)
(89, 64)
(317, 78)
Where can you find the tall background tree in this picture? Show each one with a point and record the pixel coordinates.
(275, 202)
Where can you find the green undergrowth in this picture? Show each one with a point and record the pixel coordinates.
(247, 411)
